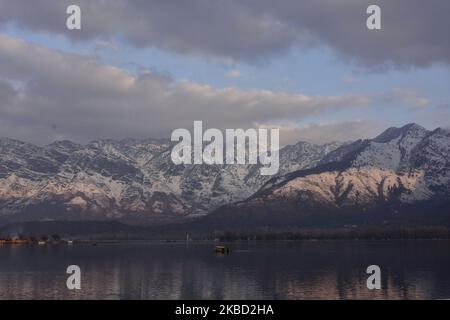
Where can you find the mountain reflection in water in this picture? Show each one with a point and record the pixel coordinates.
(264, 270)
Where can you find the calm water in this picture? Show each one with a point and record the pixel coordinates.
(302, 270)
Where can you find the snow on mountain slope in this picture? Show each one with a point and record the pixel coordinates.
(127, 179)
(361, 186)
(135, 179)
(405, 165)
(392, 148)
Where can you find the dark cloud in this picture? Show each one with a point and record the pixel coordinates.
(414, 32)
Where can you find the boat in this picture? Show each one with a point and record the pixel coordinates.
(221, 249)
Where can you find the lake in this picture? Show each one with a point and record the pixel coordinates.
(252, 270)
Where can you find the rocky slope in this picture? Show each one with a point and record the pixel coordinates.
(402, 171)
(130, 180)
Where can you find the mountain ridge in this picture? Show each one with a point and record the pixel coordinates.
(400, 170)
(134, 181)
(131, 179)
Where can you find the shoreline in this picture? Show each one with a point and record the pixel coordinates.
(93, 242)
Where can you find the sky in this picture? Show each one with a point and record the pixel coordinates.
(140, 69)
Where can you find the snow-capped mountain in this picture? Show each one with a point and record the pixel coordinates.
(136, 181)
(130, 180)
(402, 170)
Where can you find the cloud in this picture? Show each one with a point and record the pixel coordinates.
(407, 97)
(105, 45)
(327, 132)
(443, 107)
(47, 95)
(233, 74)
(349, 79)
(414, 32)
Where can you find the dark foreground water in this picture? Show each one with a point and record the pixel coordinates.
(296, 270)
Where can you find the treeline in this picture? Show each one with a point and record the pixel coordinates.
(33, 239)
(363, 233)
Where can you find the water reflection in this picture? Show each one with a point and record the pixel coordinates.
(303, 270)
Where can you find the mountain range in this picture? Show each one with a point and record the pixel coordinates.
(402, 176)
(402, 173)
(129, 180)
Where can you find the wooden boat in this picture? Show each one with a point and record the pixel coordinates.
(221, 249)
